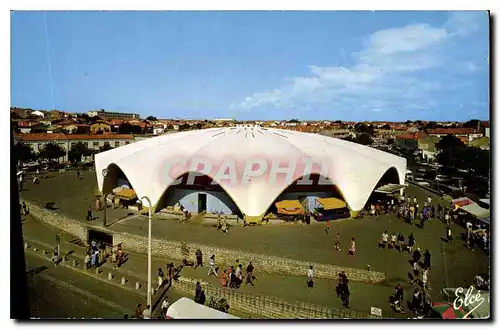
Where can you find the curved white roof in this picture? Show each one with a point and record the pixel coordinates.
(38, 113)
(355, 169)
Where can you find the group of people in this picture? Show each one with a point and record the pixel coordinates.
(95, 255)
(352, 243)
(382, 207)
(397, 242)
(342, 289)
(476, 235)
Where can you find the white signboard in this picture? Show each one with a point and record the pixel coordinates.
(376, 311)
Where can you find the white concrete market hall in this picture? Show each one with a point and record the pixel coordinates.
(354, 170)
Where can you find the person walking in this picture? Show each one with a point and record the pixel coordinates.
(328, 225)
(211, 266)
(393, 240)
(352, 247)
(93, 259)
(250, 276)
(89, 213)
(310, 277)
(146, 314)
(416, 272)
(385, 239)
(138, 311)
(449, 237)
(25, 208)
(161, 276)
(337, 242)
(425, 280)
(113, 260)
(411, 243)
(199, 258)
(401, 242)
(165, 305)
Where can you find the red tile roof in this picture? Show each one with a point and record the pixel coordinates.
(52, 137)
(452, 131)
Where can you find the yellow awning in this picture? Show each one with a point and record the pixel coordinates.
(127, 194)
(331, 203)
(289, 204)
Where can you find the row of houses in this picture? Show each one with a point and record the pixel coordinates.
(425, 141)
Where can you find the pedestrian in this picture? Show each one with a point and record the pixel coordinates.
(55, 256)
(199, 258)
(161, 275)
(310, 277)
(211, 266)
(337, 242)
(87, 261)
(417, 255)
(224, 228)
(165, 305)
(345, 296)
(352, 247)
(250, 276)
(89, 213)
(25, 208)
(197, 292)
(429, 200)
(98, 204)
(93, 260)
(328, 224)
(113, 260)
(425, 279)
(146, 314)
(449, 237)
(447, 218)
(393, 240)
(401, 242)
(385, 238)
(416, 301)
(411, 243)
(78, 173)
(138, 311)
(414, 200)
(416, 272)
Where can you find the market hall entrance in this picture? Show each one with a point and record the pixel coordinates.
(202, 203)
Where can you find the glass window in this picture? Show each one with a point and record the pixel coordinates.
(95, 143)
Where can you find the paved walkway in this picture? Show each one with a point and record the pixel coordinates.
(288, 287)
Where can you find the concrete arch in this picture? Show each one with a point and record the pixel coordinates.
(114, 173)
(225, 190)
(332, 187)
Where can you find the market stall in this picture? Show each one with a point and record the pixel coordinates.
(289, 210)
(330, 209)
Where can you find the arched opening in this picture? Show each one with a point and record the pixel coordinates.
(391, 176)
(199, 196)
(115, 177)
(312, 198)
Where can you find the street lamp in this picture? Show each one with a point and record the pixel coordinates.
(150, 207)
(104, 174)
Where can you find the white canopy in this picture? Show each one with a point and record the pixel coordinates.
(355, 169)
(475, 210)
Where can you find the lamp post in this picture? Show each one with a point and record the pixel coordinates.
(104, 174)
(149, 245)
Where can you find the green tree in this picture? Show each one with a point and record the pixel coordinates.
(51, 151)
(77, 151)
(151, 118)
(474, 123)
(363, 128)
(430, 125)
(106, 147)
(363, 139)
(24, 152)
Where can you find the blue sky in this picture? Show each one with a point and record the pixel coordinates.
(255, 65)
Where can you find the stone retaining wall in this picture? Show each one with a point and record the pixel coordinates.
(180, 250)
(269, 307)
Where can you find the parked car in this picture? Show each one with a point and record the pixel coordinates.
(441, 178)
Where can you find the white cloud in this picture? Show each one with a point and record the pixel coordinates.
(386, 73)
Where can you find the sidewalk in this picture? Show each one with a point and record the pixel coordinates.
(288, 287)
